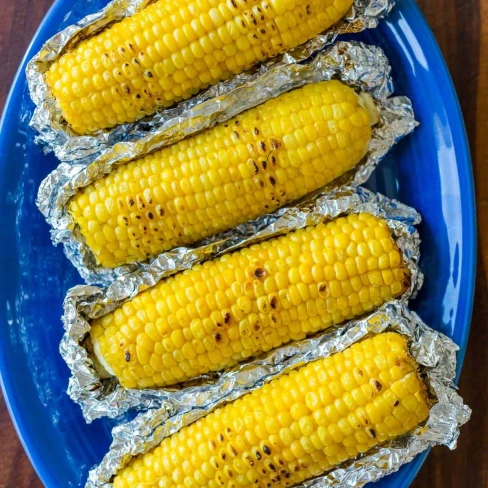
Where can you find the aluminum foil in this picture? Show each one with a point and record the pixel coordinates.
(434, 352)
(106, 397)
(364, 67)
(53, 129)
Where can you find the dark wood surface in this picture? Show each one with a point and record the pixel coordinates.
(461, 28)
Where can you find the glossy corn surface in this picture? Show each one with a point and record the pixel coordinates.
(257, 162)
(296, 427)
(172, 49)
(253, 300)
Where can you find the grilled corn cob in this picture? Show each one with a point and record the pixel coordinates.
(172, 49)
(250, 301)
(252, 165)
(296, 427)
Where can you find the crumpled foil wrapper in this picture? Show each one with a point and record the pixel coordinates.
(433, 351)
(68, 146)
(106, 397)
(363, 67)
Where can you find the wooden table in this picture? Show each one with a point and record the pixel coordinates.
(461, 28)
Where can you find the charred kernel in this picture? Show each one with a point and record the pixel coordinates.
(396, 403)
(259, 273)
(127, 356)
(376, 384)
(227, 318)
(249, 461)
(273, 302)
(372, 433)
(266, 450)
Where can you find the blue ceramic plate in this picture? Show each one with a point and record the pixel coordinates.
(429, 170)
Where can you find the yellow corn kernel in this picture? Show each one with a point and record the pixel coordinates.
(222, 177)
(279, 435)
(158, 56)
(222, 307)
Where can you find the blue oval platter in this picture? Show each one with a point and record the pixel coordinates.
(429, 170)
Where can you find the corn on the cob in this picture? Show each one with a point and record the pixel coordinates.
(171, 50)
(257, 162)
(296, 427)
(250, 301)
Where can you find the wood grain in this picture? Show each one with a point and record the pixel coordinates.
(461, 28)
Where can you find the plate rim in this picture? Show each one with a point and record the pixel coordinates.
(463, 164)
